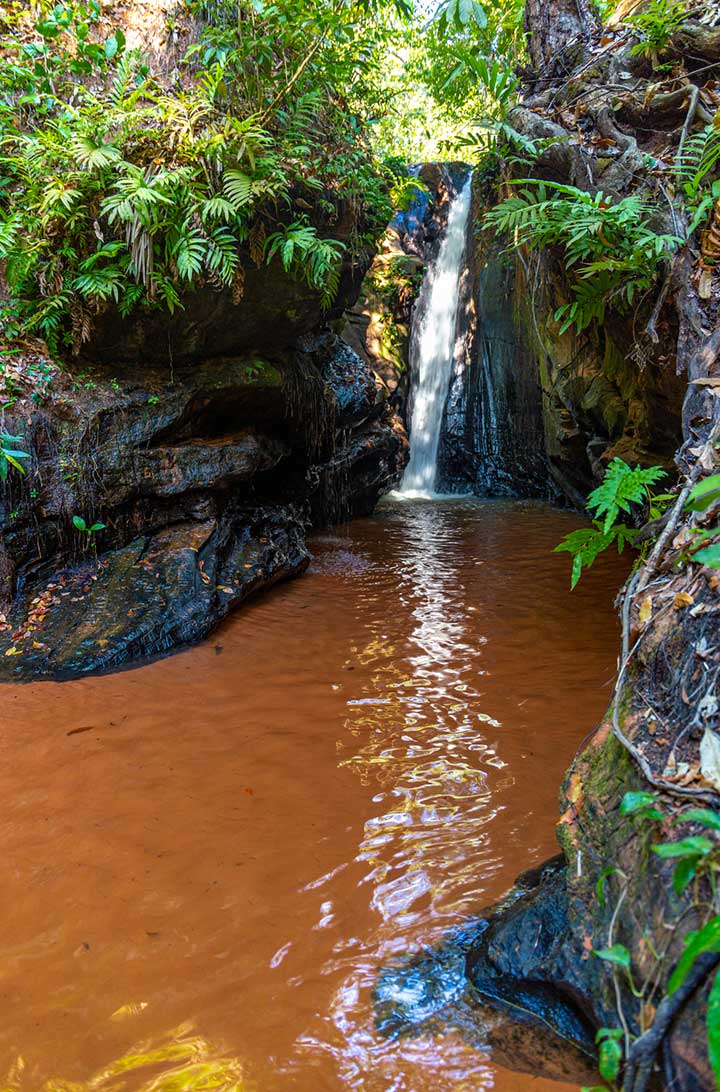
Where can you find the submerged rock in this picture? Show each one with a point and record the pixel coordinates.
(496, 982)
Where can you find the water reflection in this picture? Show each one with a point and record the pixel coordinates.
(419, 731)
(420, 738)
(181, 1061)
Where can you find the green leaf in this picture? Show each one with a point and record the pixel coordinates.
(48, 28)
(709, 555)
(97, 527)
(695, 846)
(713, 1027)
(637, 801)
(708, 818)
(704, 940)
(703, 494)
(79, 523)
(610, 1052)
(617, 954)
(600, 883)
(684, 873)
(10, 458)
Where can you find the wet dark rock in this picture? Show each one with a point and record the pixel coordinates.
(498, 982)
(158, 593)
(493, 442)
(521, 962)
(411, 992)
(205, 478)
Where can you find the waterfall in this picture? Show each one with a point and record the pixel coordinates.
(433, 350)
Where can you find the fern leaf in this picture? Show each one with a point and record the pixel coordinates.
(237, 188)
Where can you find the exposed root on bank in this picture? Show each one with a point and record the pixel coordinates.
(643, 1051)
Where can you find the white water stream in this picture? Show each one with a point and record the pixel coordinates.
(434, 349)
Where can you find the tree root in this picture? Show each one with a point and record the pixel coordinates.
(641, 1057)
(636, 585)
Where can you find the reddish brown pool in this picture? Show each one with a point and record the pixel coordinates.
(205, 861)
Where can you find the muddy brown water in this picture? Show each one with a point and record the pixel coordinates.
(206, 861)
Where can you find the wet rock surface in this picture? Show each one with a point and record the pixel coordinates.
(205, 480)
(493, 441)
(497, 981)
(160, 592)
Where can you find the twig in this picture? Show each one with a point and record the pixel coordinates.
(648, 570)
(690, 118)
(651, 327)
(641, 1056)
(616, 983)
(679, 790)
(295, 77)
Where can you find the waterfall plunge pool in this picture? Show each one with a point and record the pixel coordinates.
(207, 861)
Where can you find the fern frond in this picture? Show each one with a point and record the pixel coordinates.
(92, 156)
(188, 250)
(237, 188)
(620, 488)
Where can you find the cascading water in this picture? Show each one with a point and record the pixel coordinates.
(434, 349)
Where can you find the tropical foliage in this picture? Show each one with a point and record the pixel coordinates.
(120, 185)
(609, 246)
(621, 490)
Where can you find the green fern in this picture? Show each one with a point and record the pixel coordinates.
(237, 188)
(188, 247)
(695, 168)
(92, 156)
(586, 545)
(221, 256)
(655, 25)
(298, 246)
(621, 488)
(609, 245)
(169, 176)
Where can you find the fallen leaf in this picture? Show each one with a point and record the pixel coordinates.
(705, 291)
(129, 1010)
(683, 599)
(648, 1014)
(575, 790)
(13, 651)
(646, 609)
(708, 706)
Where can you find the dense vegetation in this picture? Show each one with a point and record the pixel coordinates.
(121, 184)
